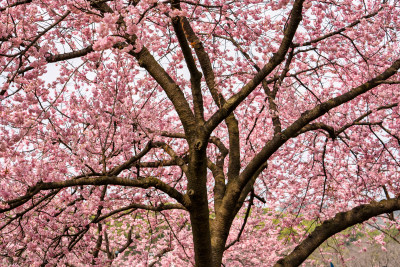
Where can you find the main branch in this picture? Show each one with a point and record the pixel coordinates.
(335, 225)
(101, 180)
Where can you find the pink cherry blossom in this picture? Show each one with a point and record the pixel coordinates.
(174, 133)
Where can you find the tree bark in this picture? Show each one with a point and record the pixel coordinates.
(197, 191)
(335, 225)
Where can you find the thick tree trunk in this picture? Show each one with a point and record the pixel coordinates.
(218, 247)
(201, 234)
(199, 212)
(222, 224)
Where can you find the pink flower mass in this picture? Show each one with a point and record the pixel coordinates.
(196, 133)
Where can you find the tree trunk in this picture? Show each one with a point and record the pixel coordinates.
(199, 212)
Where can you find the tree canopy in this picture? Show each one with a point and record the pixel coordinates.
(199, 132)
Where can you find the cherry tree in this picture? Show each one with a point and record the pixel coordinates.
(200, 132)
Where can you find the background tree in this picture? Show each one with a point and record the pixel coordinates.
(194, 132)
